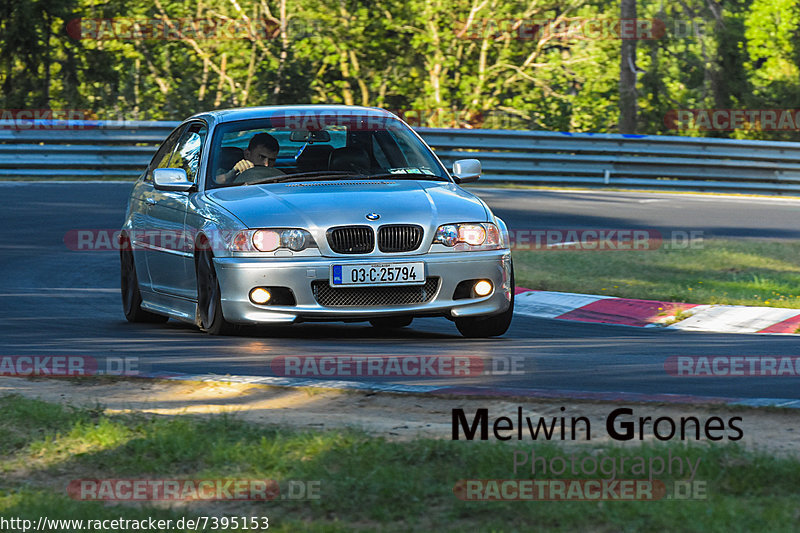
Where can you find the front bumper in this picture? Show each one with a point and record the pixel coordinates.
(238, 275)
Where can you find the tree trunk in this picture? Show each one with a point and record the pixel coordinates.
(284, 52)
(46, 66)
(627, 72)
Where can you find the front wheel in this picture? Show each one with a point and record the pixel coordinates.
(209, 301)
(488, 326)
(129, 287)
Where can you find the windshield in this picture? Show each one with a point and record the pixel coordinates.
(327, 147)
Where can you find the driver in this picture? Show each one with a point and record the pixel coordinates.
(262, 151)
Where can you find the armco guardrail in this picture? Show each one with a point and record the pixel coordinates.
(79, 149)
(123, 149)
(612, 160)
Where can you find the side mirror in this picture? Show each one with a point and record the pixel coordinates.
(171, 179)
(466, 170)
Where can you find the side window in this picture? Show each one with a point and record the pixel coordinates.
(162, 157)
(187, 153)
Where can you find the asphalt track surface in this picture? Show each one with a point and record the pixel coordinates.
(54, 301)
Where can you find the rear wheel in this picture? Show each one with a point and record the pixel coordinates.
(129, 287)
(391, 322)
(488, 326)
(209, 301)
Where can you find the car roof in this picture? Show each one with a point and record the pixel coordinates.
(310, 110)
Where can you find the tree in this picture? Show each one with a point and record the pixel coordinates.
(627, 73)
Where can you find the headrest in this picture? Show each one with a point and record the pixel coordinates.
(349, 158)
(314, 157)
(229, 156)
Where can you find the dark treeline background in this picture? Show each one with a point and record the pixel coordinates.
(454, 63)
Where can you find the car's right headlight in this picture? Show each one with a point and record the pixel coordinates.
(269, 240)
(469, 236)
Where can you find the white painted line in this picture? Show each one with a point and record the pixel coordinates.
(769, 402)
(734, 319)
(630, 194)
(548, 304)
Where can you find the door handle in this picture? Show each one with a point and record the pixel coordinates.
(149, 201)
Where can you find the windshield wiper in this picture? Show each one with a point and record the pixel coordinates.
(323, 175)
(406, 176)
(303, 176)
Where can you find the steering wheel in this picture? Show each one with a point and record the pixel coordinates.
(256, 174)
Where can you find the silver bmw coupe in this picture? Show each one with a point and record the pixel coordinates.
(275, 215)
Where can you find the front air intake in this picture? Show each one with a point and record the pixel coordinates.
(351, 239)
(399, 238)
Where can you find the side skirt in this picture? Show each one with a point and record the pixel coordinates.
(175, 307)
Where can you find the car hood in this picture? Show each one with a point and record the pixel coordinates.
(320, 205)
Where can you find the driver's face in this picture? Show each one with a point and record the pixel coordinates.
(261, 156)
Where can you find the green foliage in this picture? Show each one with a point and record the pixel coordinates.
(451, 63)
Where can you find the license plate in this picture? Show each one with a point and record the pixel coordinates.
(378, 274)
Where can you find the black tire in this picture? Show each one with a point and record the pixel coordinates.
(391, 322)
(488, 326)
(129, 288)
(209, 302)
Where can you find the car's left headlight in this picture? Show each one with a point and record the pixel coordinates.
(269, 240)
(469, 236)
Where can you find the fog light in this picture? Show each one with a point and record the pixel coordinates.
(482, 288)
(260, 295)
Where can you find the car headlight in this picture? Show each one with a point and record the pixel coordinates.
(294, 239)
(447, 235)
(472, 234)
(269, 240)
(469, 236)
(266, 240)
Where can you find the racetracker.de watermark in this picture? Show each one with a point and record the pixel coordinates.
(394, 366)
(47, 119)
(114, 240)
(731, 366)
(532, 239)
(442, 117)
(208, 489)
(493, 490)
(578, 29)
(68, 366)
(733, 119)
(603, 239)
(182, 29)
